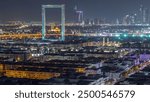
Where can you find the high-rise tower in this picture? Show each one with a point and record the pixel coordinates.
(79, 16)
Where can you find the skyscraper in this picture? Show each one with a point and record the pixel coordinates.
(143, 16)
(135, 16)
(127, 20)
(79, 16)
(140, 21)
(146, 16)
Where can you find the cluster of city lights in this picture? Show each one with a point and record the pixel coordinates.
(133, 35)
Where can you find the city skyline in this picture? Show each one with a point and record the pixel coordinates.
(18, 10)
(75, 42)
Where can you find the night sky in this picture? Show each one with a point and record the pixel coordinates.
(30, 10)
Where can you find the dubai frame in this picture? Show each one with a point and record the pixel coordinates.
(62, 7)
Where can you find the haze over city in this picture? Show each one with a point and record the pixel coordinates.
(30, 10)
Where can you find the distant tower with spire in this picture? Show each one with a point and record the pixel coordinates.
(79, 15)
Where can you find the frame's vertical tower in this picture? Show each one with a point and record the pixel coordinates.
(43, 23)
(62, 21)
